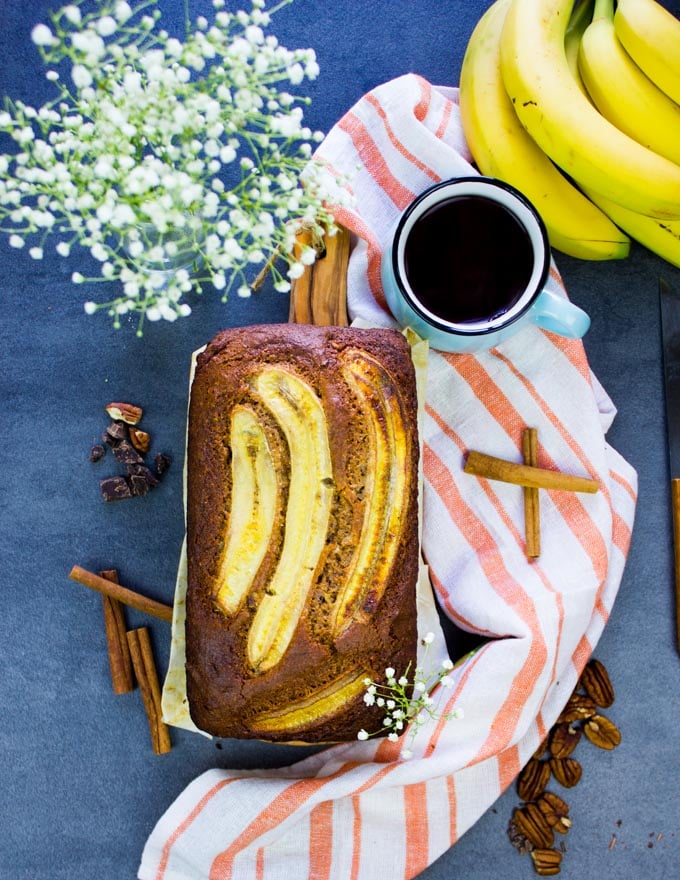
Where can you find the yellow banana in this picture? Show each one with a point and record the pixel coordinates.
(662, 237)
(579, 21)
(387, 489)
(300, 414)
(622, 92)
(503, 149)
(565, 124)
(651, 36)
(253, 509)
(322, 703)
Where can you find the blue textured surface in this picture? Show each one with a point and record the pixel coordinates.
(80, 788)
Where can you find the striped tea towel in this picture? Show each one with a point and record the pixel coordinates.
(358, 811)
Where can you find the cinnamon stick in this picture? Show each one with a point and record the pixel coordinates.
(141, 652)
(122, 679)
(481, 465)
(122, 594)
(319, 296)
(532, 519)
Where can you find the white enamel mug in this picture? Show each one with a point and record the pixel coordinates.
(531, 303)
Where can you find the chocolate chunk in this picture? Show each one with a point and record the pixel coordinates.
(117, 431)
(139, 485)
(162, 462)
(115, 488)
(98, 451)
(125, 453)
(141, 470)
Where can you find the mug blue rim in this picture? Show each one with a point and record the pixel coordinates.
(460, 330)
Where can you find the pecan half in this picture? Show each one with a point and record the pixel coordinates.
(563, 739)
(533, 779)
(577, 708)
(597, 684)
(530, 823)
(546, 861)
(124, 412)
(602, 732)
(540, 750)
(562, 825)
(555, 810)
(567, 771)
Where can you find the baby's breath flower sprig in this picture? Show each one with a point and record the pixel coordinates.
(409, 704)
(155, 147)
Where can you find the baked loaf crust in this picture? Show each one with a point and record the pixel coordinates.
(302, 529)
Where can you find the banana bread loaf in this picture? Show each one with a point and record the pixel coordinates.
(302, 529)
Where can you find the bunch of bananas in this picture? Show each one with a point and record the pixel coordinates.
(577, 105)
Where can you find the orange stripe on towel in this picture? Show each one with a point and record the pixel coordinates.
(373, 252)
(356, 838)
(421, 108)
(397, 144)
(446, 118)
(573, 350)
(453, 808)
(321, 841)
(416, 828)
(259, 864)
(621, 533)
(374, 161)
(625, 485)
(582, 653)
(509, 766)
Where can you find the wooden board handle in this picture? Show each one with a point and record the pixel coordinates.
(320, 295)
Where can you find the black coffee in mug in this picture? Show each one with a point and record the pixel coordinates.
(468, 259)
(468, 265)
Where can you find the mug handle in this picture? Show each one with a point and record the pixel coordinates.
(557, 315)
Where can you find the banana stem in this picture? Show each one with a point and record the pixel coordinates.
(604, 9)
(581, 17)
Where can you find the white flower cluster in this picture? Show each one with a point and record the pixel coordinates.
(408, 704)
(158, 148)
